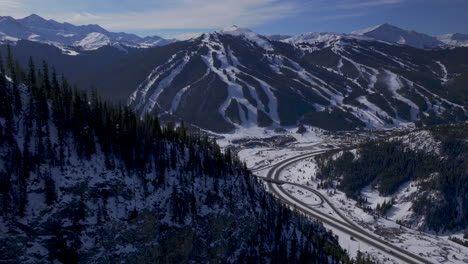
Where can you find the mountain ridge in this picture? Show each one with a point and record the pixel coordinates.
(393, 34)
(36, 28)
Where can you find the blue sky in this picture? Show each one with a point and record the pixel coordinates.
(175, 17)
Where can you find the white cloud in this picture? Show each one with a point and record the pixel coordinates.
(326, 10)
(370, 3)
(10, 4)
(85, 16)
(193, 14)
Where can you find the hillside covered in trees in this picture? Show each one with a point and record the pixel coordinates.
(435, 160)
(83, 181)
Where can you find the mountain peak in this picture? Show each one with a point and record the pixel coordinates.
(393, 34)
(380, 27)
(33, 18)
(234, 29)
(247, 34)
(388, 25)
(7, 18)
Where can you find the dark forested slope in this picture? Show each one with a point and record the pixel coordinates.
(82, 181)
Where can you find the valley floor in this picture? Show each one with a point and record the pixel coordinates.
(261, 149)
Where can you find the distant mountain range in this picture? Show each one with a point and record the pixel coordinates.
(392, 34)
(235, 78)
(387, 33)
(71, 39)
(65, 35)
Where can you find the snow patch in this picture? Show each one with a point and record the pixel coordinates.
(93, 41)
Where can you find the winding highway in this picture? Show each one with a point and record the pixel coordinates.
(274, 184)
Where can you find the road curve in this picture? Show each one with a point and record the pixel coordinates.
(280, 182)
(264, 167)
(346, 226)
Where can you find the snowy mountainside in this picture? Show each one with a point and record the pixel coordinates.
(236, 78)
(87, 37)
(326, 38)
(86, 182)
(93, 41)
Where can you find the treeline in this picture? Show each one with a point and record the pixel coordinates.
(46, 122)
(388, 164)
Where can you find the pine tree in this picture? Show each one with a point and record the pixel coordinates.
(12, 71)
(2, 66)
(20, 75)
(5, 190)
(50, 193)
(3, 90)
(46, 86)
(6, 110)
(11, 65)
(31, 79)
(193, 203)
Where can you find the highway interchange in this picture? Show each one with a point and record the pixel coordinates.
(275, 185)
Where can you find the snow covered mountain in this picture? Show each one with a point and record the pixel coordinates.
(392, 34)
(454, 39)
(91, 37)
(236, 78)
(88, 37)
(323, 39)
(93, 41)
